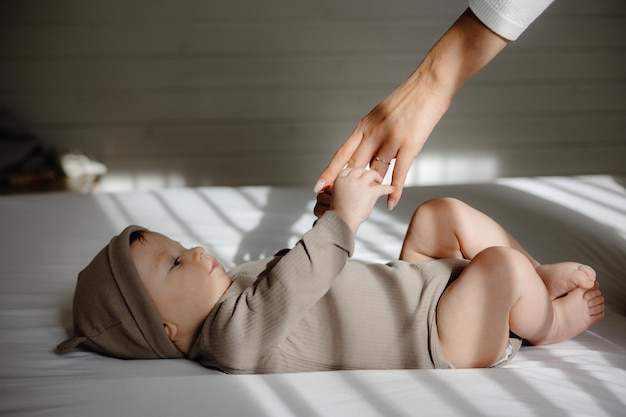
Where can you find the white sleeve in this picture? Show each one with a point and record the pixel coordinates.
(508, 18)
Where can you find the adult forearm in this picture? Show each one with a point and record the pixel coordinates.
(460, 53)
(399, 125)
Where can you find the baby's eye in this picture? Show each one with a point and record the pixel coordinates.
(176, 262)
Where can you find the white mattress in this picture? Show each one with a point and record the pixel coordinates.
(47, 239)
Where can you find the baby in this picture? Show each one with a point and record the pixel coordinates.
(463, 293)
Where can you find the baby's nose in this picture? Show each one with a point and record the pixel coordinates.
(197, 253)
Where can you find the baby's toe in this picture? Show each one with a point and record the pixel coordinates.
(586, 276)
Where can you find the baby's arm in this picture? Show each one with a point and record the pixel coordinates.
(267, 301)
(265, 311)
(354, 194)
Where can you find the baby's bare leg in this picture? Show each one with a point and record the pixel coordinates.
(498, 292)
(449, 228)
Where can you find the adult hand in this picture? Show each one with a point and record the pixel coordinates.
(399, 126)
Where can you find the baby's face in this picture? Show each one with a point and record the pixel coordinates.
(184, 284)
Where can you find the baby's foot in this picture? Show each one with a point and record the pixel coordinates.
(563, 277)
(574, 313)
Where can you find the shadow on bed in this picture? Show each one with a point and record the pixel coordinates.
(620, 179)
(575, 372)
(275, 229)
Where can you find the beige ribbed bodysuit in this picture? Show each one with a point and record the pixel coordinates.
(314, 310)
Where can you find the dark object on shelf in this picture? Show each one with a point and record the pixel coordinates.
(24, 160)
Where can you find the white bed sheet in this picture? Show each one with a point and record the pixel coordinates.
(47, 239)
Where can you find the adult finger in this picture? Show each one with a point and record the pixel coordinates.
(366, 151)
(382, 158)
(386, 189)
(398, 178)
(339, 160)
(345, 172)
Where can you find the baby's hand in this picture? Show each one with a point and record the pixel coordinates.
(354, 194)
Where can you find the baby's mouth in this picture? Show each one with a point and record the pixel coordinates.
(214, 264)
